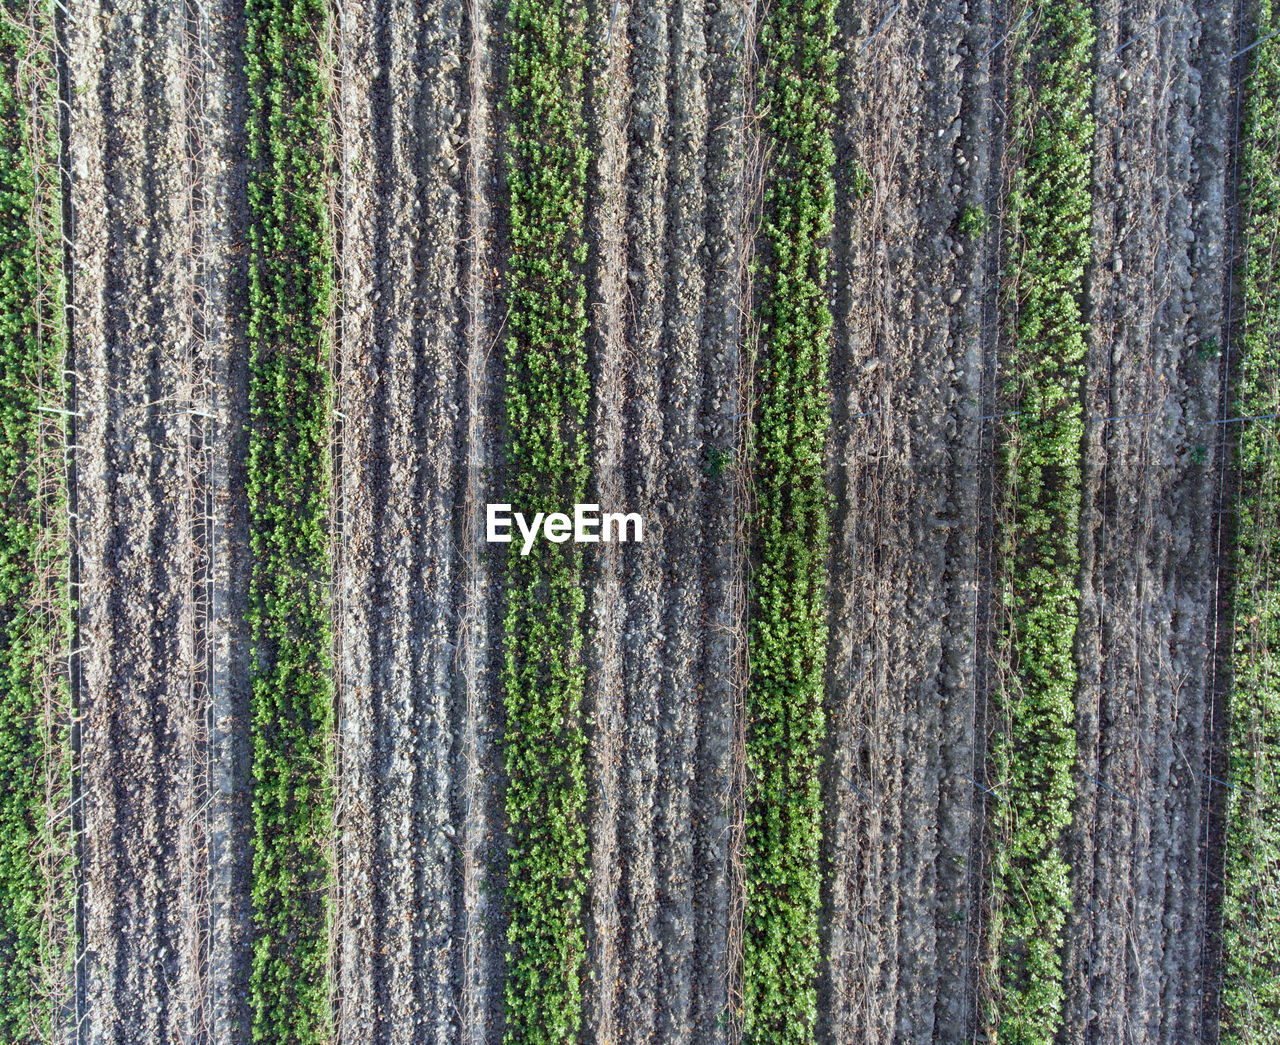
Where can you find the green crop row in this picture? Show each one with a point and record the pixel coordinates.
(546, 398)
(1032, 745)
(290, 290)
(1251, 901)
(788, 630)
(35, 900)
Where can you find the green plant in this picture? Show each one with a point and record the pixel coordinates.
(859, 181)
(717, 460)
(1208, 349)
(788, 629)
(546, 399)
(35, 769)
(290, 289)
(1251, 894)
(1032, 749)
(974, 221)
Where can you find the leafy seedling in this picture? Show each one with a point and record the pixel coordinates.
(974, 221)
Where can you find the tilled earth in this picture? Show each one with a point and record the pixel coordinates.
(158, 244)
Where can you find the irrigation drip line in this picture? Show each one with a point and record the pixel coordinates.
(746, 20)
(1231, 787)
(1137, 36)
(612, 16)
(1119, 417)
(876, 32)
(1255, 43)
(865, 796)
(1006, 35)
(983, 788)
(1251, 417)
(1118, 794)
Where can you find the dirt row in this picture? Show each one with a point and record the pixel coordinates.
(667, 287)
(419, 921)
(159, 521)
(917, 143)
(1156, 312)
(221, 426)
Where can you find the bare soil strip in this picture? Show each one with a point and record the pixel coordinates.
(641, 696)
(667, 320)
(681, 521)
(216, 152)
(147, 311)
(479, 918)
(608, 94)
(906, 458)
(720, 462)
(1155, 305)
(959, 863)
(415, 961)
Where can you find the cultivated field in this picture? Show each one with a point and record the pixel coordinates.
(935, 345)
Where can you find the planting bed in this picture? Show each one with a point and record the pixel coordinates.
(36, 934)
(1251, 903)
(933, 706)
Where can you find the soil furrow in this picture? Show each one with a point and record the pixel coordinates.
(1211, 205)
(193, 1013)
(609, 97)
(1096, 942)
(1156, 311)
(642, 697)
(681, 522)
(907, 374)
(478, 796)
(356, 812)
(222, 275)
(667, 294)
(719, 460)
(217, 946)
(404, 471)
(995, 27)
(860, 980)
(136, 82)
(978, 164)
